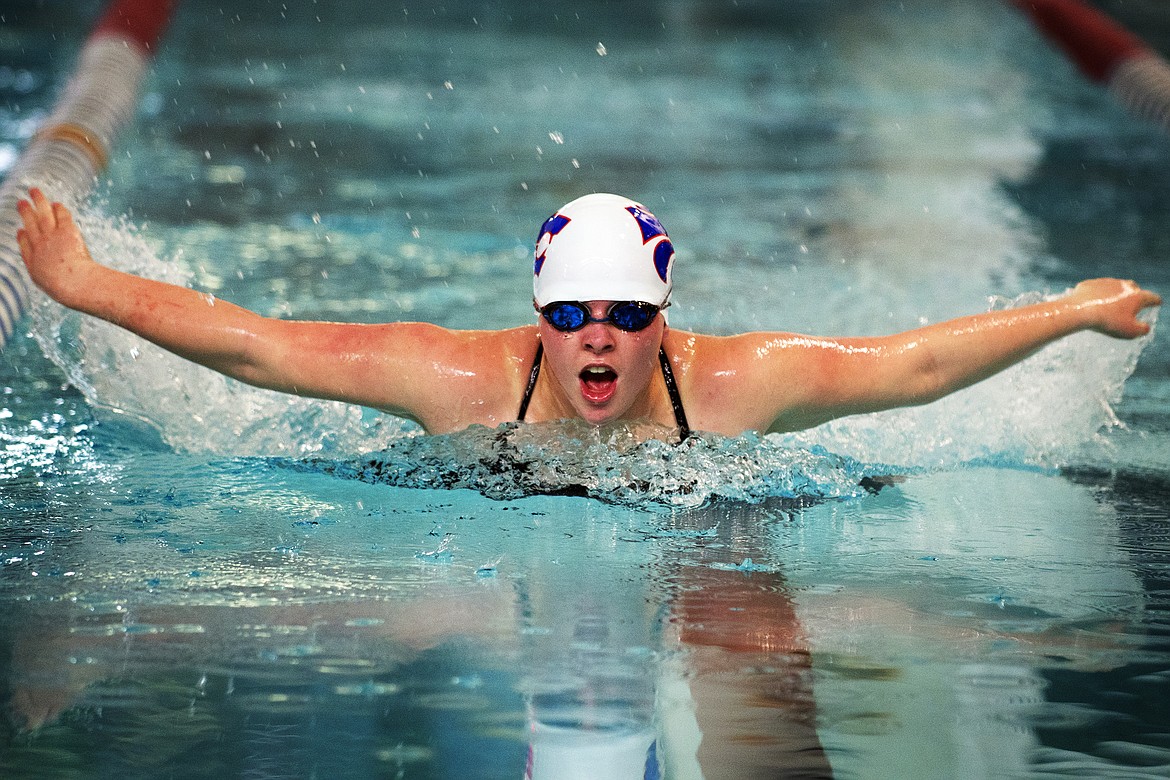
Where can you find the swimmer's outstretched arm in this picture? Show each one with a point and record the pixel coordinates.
(396, 367)
(805, 381)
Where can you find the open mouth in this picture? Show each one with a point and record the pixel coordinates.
(598, 383)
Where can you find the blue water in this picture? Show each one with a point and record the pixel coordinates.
(200, 579)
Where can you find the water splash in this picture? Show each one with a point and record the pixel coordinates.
(613, 463)
(194, 410)
(1053, 409)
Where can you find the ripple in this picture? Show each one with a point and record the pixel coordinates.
(1054, 762)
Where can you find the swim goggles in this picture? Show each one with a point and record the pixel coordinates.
(630, 316)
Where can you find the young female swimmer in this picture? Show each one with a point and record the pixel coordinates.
(601, 349)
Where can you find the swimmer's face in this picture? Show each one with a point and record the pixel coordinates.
(602, 372)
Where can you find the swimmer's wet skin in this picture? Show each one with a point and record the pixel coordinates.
(601, 259)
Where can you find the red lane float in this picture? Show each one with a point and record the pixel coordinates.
(1107, 53)
(74, 144)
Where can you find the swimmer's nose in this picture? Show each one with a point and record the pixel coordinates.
(598, 337)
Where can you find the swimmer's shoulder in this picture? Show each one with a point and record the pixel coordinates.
(516, 346)
(732, 384)
(465, 377)
(425, 342)
(500, 357)
(470, 346)
(705, 355)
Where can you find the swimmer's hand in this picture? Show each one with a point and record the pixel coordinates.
(53, 250)
(1112, 306)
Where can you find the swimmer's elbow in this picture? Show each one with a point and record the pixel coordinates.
(255, 357)
(934, 379)
(927, 383)
(915, 378)
(251, 373)
(917, 383)
(248, 366)
(875, 383)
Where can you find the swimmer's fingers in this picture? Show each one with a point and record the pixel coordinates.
(28, 216)
(53, 248)
(47, 225)
(1140, 300)
(61, 216)
(1150, 299)
(23, 243)
(1133, 330)
(40, 217)
(46, 213)
(1121, 311)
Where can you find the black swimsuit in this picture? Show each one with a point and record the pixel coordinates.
(680, 416)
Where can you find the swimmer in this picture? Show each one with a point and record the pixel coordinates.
(600, 351)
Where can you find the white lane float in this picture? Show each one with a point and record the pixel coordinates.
(73, 145)
(1107, 53)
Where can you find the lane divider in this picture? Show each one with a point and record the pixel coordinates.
(1107, 53)
(73, 146)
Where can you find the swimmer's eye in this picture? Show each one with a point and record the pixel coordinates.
(630, 316)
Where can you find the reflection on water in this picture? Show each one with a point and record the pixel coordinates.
(885, 635)
(575, 662)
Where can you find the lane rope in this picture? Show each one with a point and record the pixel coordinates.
(1107, 53)
(65, 155)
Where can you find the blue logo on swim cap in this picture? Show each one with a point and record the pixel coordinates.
(662, 254)
(651, 228)
(552, 226)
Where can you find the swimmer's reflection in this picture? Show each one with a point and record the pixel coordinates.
(726, 695)
(748, 673)
(707, 676)
(733, 699)
(589, 697)
(736, 697)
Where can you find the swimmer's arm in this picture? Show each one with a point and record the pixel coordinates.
(191, 324)
(830, 378)
(393, 367)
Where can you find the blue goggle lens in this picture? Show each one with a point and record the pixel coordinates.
(630, 316)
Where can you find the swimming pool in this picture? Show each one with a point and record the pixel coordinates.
(196, 583)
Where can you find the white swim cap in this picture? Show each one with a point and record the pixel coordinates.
(602, 248)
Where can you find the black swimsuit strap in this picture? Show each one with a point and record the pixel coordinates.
(680, 416)
(532, 376)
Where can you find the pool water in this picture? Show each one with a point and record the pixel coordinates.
(201, 579)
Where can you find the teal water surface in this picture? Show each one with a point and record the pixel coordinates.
(200, 579)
